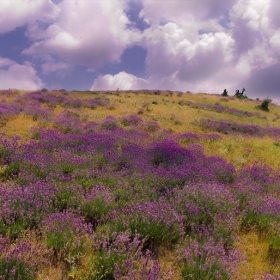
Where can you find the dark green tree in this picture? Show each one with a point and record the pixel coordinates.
(241, 94)
(265, 103)
(225, 93)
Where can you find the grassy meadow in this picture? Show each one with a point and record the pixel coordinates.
(144, 185)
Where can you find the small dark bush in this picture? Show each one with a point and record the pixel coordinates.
(225, 93)
(264, 105)
(240, 95)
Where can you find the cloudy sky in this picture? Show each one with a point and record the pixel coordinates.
(195, 45)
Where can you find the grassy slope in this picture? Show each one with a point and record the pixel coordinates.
(171, 116)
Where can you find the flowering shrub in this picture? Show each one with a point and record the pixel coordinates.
(169, 153)
(222, 109)
(68, 122)
(47, 98)
(208, 207)
(156, 220)
(148, 270)
(21, 261)
(208, 260)
(116, 255)
(96, 204)
(131, 120)
(22, 208)
(8, 110)
(65, 233)
(152, 126)
(7, 92)
(188, 137)
(229, 127)
(35, 110)
(110, 123)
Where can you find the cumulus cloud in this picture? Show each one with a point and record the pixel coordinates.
(5, 61)
(51, 65)
(14, 75)
(180, 57)
(161, 11)
(16, 13)
(86, 33)
(189, 46)
(273, 13)
(122, 80)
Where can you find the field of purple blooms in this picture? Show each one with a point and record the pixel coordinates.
(124, 198)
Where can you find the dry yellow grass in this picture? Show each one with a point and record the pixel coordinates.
(244, 152)
(256, 264)
(19, 126)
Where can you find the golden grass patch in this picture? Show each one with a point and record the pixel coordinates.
(19, 126)
(255, 252)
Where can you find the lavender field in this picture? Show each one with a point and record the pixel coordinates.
(144, 185)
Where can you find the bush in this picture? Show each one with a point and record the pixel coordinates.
(208, 260)
(225, 93)
(121, 250)
(264, 105)
(65, 234)
(96, 204)
(22, 259)
(157, 221)
(23, 208)
(240, 95)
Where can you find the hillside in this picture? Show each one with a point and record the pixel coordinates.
(138, 185)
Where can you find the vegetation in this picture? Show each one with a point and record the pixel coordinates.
(265, 103)
(167, 185)
(225, 93)
(241, 94)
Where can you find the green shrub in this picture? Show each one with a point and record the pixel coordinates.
(94, 209)
(16, 270)
(10, 171)
(259, 222)
(264, 105)
(273, 253)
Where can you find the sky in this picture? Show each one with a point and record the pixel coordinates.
(186, 45)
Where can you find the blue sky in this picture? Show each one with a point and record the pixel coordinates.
(186, 45)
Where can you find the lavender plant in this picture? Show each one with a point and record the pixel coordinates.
(115, 256)
(65, 234)
(230, 127)
(205, 261)
(156, 220)
(23, 259)
(23, 208)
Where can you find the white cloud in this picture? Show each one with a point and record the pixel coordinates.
(86, 33)
(254, 12)
(18, 76)
(180, 58)
(53, 66)
(122, 80)
(275, 41)
(16, 13)
(5, 62)
(162, 11)
(273, 13)
(191, 45)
